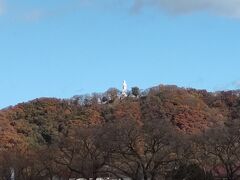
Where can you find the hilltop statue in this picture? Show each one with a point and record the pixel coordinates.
(124, 89)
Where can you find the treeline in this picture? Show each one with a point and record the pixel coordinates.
(164, 132)
(151, 150)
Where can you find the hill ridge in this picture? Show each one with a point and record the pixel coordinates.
(45, 120)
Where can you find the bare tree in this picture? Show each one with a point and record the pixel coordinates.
(112, 94)
(141, 151)
(80, 154)
(221, 146)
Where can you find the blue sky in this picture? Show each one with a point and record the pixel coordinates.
(67, 47)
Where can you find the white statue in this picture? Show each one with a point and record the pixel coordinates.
(12, 174)
(124, 89)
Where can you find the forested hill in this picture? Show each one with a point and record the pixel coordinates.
(46, 120)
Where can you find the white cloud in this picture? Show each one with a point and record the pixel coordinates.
(236, 84)
(2, 7)
(228, 86)
(229, 8)
(60, 9)
(33, 15)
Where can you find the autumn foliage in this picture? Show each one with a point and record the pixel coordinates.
(154, 134)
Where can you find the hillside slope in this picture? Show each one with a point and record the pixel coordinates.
(46, 120)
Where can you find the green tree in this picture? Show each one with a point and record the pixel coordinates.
(136, 91)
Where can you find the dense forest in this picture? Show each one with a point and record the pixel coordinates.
(164, 132)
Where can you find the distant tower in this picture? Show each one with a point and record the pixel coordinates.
(124, 89)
